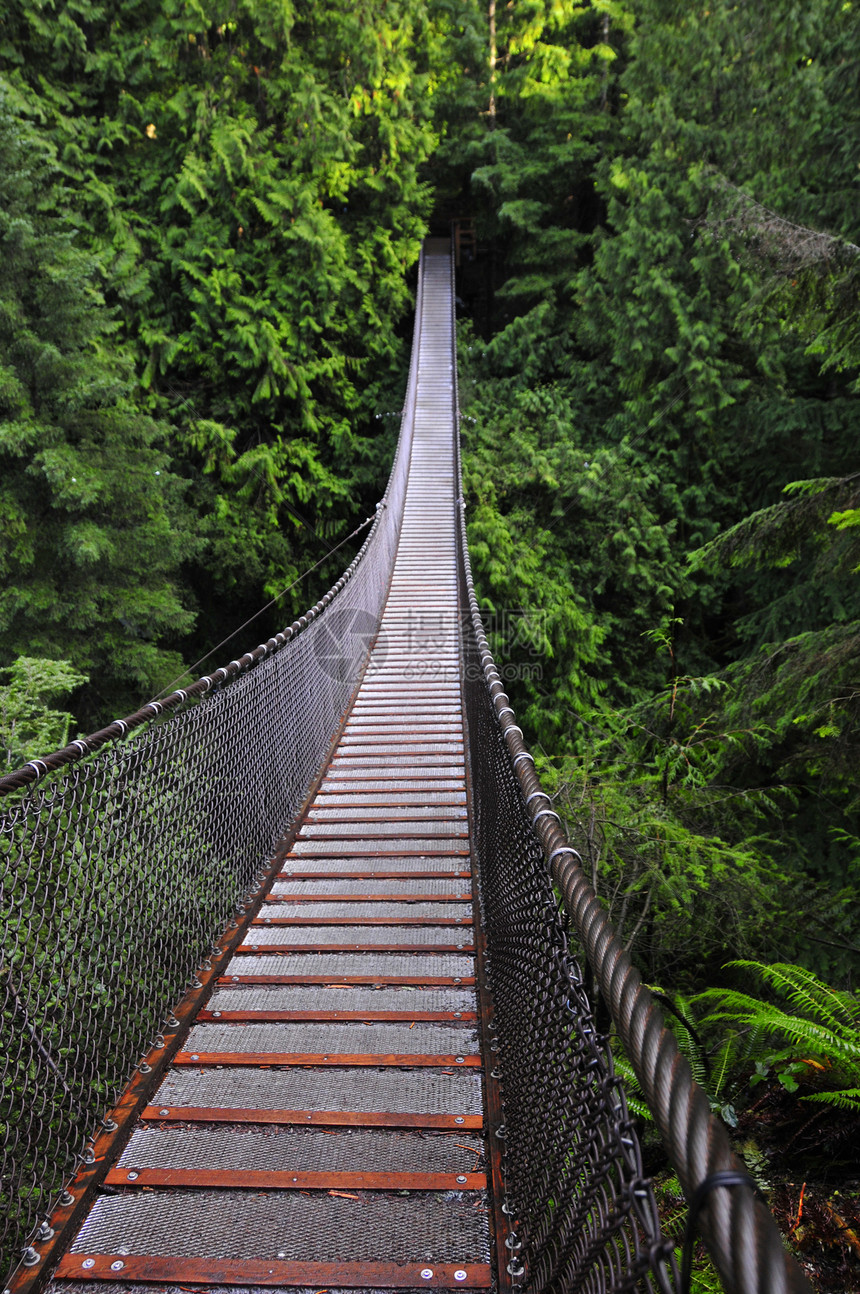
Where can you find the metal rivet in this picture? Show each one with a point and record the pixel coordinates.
(132, 1177)
(117, 1266)
(460, 1275)
(458, 1015)
(427, 1273)
(194, 1056)
(282, 1253)
(88, 1262)
(459, 1060)
(461, 1177)
(216, 1013)
(163, 1111)
(459, 1119)
(457, 979)
(235, 979)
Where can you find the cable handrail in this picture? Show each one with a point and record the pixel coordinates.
(740, 1232)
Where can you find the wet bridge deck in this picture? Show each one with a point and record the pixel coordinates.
(324, 1123)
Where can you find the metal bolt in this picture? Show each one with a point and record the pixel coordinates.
(461, 1177)
(45, 1233)
(109, 1125)
(117, 1266)
(65, 1200)
(427, 1273)
(88, 1262)
(460, 1275)
(132, 1177)
(459, 1119)
(31, 1256)
(144, 1068)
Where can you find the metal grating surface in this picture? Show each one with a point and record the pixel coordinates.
(323, 998)
(390, 798)
(361, 848)
(346, 830)
(222, 1224)
(331, 814)
(349, 911)
(427, 1091)
(306, 1149)
(336, 1039)
(393, 863)
(316, 889)
(417, 780)
(364, 936)
(447, 965)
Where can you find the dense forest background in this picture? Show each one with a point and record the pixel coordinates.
(210, 217)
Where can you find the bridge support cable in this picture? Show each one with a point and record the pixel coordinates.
(128, 860)
(322, 1123)
(572, 1162)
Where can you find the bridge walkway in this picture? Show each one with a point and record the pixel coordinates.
(324, 1125)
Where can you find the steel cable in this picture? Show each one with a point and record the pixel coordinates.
(740, 1233)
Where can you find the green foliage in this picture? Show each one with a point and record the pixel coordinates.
(820, 1024)
(247, 175)
(94, 528)
(28, 725)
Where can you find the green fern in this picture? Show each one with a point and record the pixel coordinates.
(820, 1025)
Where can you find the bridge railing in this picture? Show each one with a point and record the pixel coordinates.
(124, 856)
(580, 1214)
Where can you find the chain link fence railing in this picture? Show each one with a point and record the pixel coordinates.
(124, 856)
(581, 1215)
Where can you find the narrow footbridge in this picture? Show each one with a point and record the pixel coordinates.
(294, 967)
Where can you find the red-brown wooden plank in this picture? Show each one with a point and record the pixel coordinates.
(271, 1271)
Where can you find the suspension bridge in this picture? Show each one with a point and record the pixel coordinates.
(293, 967)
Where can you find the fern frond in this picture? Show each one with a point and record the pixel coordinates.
(803, 989)
(846, 1098)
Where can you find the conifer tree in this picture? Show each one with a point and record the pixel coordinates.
(94, 529)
